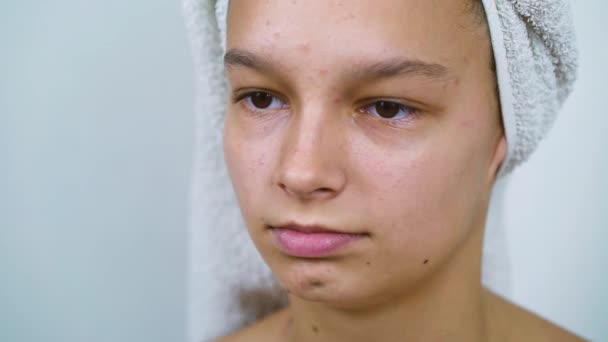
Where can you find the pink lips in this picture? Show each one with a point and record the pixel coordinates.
(311, 242)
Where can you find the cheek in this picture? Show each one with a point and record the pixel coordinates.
(246, 163)
(418, 201)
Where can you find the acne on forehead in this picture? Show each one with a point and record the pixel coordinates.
(306, 45)
(407, 14)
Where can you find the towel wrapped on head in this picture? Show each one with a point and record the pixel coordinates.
(536, 61)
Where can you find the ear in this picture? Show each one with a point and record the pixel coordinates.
(499, 155)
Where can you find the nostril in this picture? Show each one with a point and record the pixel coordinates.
(318, 193)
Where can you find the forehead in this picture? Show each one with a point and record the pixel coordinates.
(332, 31)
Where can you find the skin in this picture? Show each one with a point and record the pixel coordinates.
(417, 185)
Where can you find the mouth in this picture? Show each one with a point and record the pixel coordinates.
(312, 241)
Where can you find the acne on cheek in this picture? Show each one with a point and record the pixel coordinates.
(255, 165)
(242, 159)
(255, 159)
(469, 123)
(404, 189)
(474, 119)
(304, 47)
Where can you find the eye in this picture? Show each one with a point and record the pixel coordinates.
(389, 110)
(262, 100)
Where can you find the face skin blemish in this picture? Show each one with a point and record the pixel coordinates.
(467, 123)
(287, 327)
(426, 261)
(303, 47)
(315, 329)
(316, 283)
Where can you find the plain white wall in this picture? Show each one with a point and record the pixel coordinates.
(95, 147)
(95, 150)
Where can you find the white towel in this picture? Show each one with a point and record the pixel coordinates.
(229, 285)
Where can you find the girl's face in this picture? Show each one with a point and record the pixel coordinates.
(375, 118)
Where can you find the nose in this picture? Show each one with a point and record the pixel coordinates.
(310, 165)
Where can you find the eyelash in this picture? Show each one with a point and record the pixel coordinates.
(402, 107)
(407, 111)
(247, 96)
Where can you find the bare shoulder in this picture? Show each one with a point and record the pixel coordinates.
(268, 329)
(514, 323)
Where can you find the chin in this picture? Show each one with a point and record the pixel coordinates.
(324, 282)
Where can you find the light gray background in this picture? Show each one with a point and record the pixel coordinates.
(95, 147)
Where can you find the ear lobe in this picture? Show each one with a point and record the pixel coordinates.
(499, 155)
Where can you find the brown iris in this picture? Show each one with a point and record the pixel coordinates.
(261, 100)
(387, 109)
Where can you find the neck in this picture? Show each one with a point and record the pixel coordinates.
(448, 305)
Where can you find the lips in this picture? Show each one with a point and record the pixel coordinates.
(312, 241)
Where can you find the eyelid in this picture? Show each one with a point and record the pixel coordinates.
(402, 102)
(415, 110)
(243, 98)
(239, 94)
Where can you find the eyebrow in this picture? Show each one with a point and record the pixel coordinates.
(374, 70)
